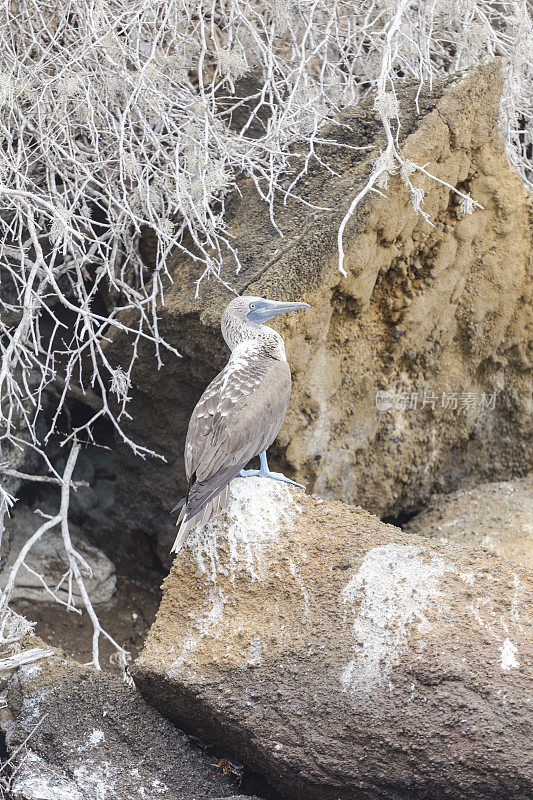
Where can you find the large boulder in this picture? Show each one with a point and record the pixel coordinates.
(76, 734)
(342, 658)
(497, 516)
(433, 317)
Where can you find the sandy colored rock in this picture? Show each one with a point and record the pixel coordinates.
(342, 658)
(97, 740)
(438, 316)
(497, 516)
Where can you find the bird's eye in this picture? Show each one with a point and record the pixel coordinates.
(252, 305)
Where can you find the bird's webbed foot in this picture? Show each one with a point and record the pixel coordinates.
(249, 473)
(265, 472)
(279, 476)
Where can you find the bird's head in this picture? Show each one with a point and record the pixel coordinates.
(249, 312)
(258, 310)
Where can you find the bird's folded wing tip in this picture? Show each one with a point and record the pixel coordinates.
(178, 505)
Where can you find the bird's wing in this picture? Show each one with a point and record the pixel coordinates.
(219, 402)
(238, 416)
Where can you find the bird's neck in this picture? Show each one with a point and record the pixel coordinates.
(255, 341)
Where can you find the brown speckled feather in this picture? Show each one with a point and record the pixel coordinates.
(238, 416)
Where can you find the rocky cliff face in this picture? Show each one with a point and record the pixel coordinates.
(412, 374)
(342, 658)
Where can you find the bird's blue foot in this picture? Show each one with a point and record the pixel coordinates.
(264, 472)
(277, 476)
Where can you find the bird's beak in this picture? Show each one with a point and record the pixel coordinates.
(271, 308)
(282, 308)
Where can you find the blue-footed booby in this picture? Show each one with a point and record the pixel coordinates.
(239, 414)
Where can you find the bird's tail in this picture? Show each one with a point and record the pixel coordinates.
(198, 520)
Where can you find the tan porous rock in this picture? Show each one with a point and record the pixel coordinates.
(439, 315)
(342, 658)
(497, 516)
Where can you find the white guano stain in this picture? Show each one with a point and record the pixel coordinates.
(391, 589)
(201, 626)
(255, 651)
(257, 509)
(93, 739)
(500, 627)
(31, 707)
(98, 780)
(508, 655)
(28, 671)
(96, 737)
(34, 779)
(297, 575)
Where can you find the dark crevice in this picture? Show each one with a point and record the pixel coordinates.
(243, 779)
(255, 784)
(146, 546)
(6, 770)
(401, 519)
(4, 754)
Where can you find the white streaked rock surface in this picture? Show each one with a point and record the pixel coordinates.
(341, 657)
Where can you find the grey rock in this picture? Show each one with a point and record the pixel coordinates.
(104, 491)
(17, 457)
(105, 462)
(85, 469)
(82, 502)
(342, 658)
(47, 557)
